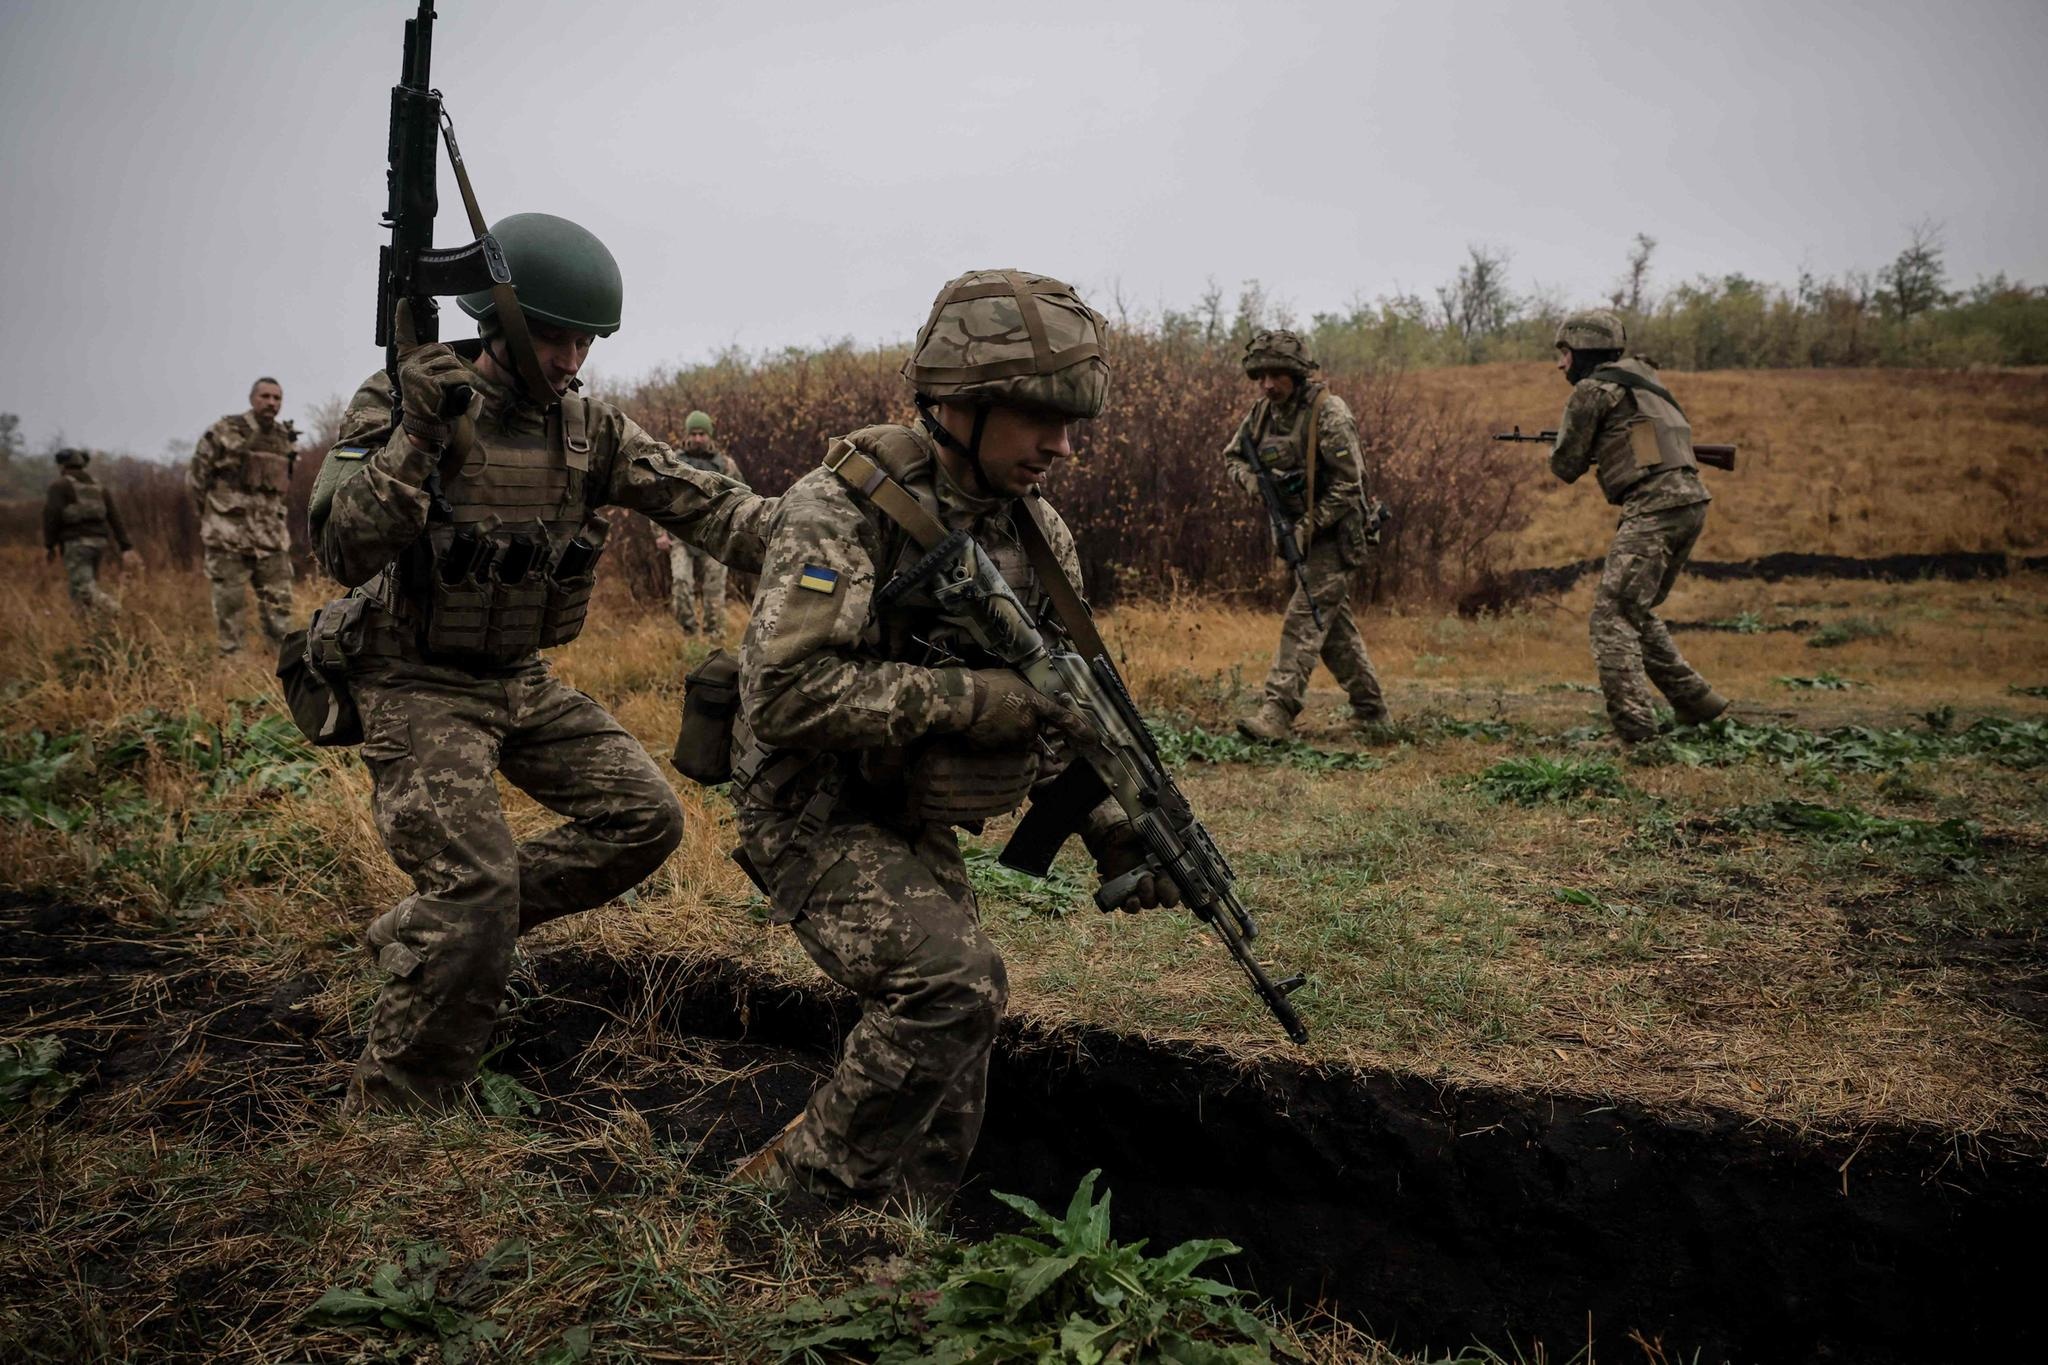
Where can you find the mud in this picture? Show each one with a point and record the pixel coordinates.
(1437, 1215)
(1955, 565)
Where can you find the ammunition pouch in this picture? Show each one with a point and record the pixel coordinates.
(946, 783)
(266, 471)
(711, 701)
(312, 668)
(482, 621)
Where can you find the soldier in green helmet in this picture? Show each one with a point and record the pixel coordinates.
(1305, 434)
(869, 730)
(470, 544)
(1623, 423)
(691, 568)
(80, 521)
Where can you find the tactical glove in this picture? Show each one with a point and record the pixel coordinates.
(1121, 851)
(1008, 712)
(427, 377)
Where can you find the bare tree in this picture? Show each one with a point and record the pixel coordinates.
(1917, 279)
(1477, 305)
(1631, 295)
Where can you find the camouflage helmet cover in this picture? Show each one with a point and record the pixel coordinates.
(698, 420)
(1009, 336)
(1593, 330)
(561, 272)
(71, 456)
(1276, 348)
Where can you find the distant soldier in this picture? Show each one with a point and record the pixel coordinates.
(1306, 435)
(1622, 422)
(689, 567)
(240, 473)
(79, 521)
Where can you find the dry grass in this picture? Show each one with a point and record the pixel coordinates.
(1851, 462)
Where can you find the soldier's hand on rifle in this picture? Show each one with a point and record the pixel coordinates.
(425, 376)
(1008, 713)
(1120, 852)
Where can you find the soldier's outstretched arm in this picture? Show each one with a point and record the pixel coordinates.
(1343, 492)
(378, 504)
(801, 685)
(703, 508)
(1573, 453)
(1234, 463)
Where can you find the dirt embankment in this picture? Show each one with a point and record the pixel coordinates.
(1436, 1214)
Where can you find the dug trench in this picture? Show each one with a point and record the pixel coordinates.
(1435, 1214)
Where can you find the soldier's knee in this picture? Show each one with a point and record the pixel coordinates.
(965, 985)
(648, 828)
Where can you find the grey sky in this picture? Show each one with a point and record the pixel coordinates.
(193, 189)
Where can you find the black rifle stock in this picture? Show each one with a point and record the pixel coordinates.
(1117, 758)
(1283, 525)
(1719, 456)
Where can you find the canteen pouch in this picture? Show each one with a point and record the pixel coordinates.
(711, 700)
(312, 668)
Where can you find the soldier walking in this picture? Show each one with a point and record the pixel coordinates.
(1306, 435)
(1623, 423)
(80, 520)
(870, 728)
(471, 545)
(240, 474)
(691, 568)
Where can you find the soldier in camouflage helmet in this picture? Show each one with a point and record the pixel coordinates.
(241, 470)
(471, 543)
(80, 521)
(1623, 423)
(867, 734)
(690, 568)
(1307, 436)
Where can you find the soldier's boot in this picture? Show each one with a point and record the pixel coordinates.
(766, 1167)
(1699, 710)
(1369, 717)
(1270, 724)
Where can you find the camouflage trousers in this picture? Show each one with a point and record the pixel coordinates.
(890, 916)
(82, 576)
(232, 572)
(432, 739)
(1631, 647)
(1337, 643)
(690, 569)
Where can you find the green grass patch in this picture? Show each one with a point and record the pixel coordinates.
(2019, 744)
(1848, 630)
(1819, 682)
(1532, 780)
(406, 1299)
(1181, 743)
(1053, 894)
(1953, 841)
(32, 1074)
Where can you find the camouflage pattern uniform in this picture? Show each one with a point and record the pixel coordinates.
(690, 569)
(437, 728)
(1333, 537)
(844, 758)
(240, 473)
(80, 520)
(1662, 514)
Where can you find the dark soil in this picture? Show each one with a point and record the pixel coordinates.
(1955, 565)
(1435, 1214)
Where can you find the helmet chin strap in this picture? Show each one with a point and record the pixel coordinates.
(971, 449)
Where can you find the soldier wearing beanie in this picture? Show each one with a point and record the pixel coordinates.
(691, 569)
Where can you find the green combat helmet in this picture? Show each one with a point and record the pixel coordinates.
(561, 272)
(698, 421)
(1277, 348)
(71, 457)
(1008, 336)
(1593, 330)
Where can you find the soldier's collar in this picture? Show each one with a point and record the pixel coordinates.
(955, 499)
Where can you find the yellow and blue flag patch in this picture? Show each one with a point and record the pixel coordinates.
(818, 578)
(350, 452)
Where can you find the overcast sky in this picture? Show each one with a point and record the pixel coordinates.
(192, 189)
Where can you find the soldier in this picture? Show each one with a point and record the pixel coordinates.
(1622, 422)
(79, 519)
(471, 545)
(1306, 435)
(240, 473)
(689, 567)
(868, 730)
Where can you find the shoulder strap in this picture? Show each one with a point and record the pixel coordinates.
(1066, 602)
(872, 482)
(1309, 455)
(1629, 379)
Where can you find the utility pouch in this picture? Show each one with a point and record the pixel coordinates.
(947, 783)
(265, 471)
(516, 613)
(711, 700)
(458, 617)
(570, 582)
(312, 667)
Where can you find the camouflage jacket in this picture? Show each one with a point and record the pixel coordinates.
(1282, 433)
(241, 471)
(373, 503)
(78, 507)
(716, 460)
(1594, 433)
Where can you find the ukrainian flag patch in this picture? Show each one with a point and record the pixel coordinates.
(818, 578)
(350, 452)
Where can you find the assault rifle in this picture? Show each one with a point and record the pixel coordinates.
(1115, 756)
(1283, 524)
(1720, 457)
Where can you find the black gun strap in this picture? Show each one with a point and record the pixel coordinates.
(1629, 379)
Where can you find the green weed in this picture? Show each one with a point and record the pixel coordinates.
(1532, 780)
(1820, 682)
(1848, 630)
(1053, 894)
(32, 1074)
(2019, 744)
(1953, 841)
(1068, 1294)
(1181, 744)
(406, 1298)
(2040, 690)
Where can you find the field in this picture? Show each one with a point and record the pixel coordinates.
(1792, 965)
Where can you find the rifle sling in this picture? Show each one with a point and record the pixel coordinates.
(1630, 380)
(518, 338)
